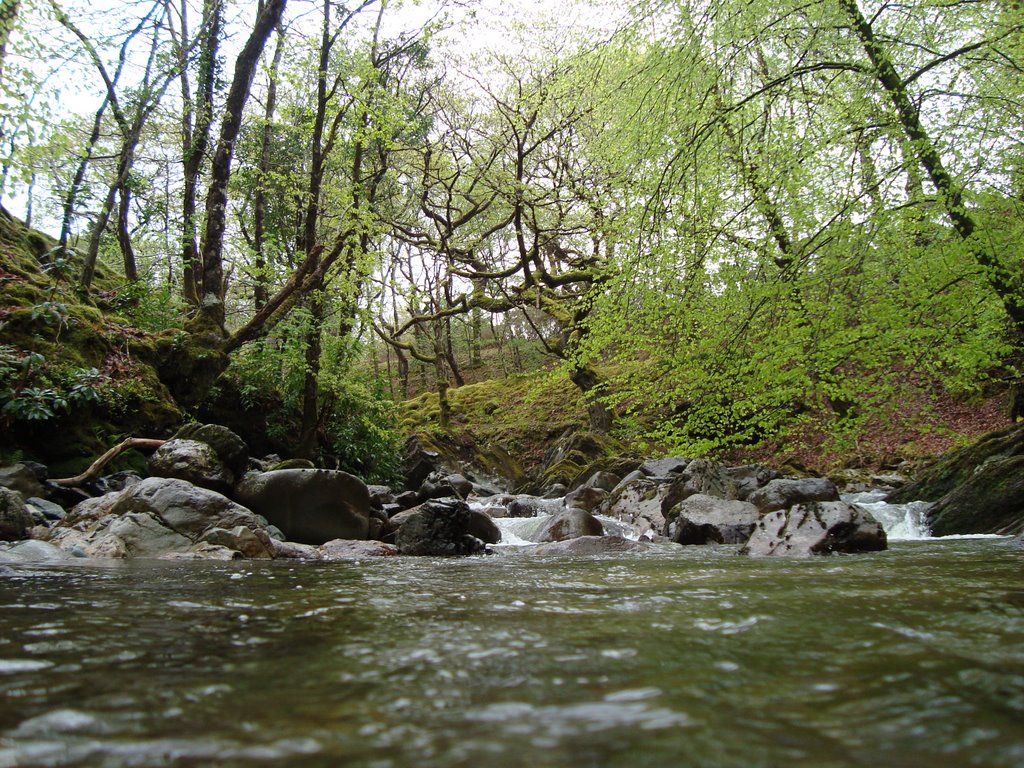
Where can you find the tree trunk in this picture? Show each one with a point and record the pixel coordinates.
(589, 384)
(123, 235)
(76, 184)
(212, 249)
(261, 292)
(196, 121)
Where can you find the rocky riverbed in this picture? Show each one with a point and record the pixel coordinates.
(206, 498)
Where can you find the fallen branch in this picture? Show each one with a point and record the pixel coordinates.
(94, 469)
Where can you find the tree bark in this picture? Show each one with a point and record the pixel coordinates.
(212, 248)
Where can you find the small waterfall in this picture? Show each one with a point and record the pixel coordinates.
(902, 522)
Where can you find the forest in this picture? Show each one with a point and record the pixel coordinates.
(722, 226)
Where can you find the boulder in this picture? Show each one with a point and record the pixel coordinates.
(590, 545)
(439, 528)
(639, 504)
(785, 492)
(606, 481)
(702, 519)
(32, 551)
(310, 506)
(977, 489)
(21, 479)
(990, 501)
(230, 448)
(380, 496)
(158, 517)
(184, 508)
(462, 486)
(586, 498)
(701, 476)
(15, 519)
(664, 467)
(816, 528)
(483, 527)
(418, 463)
(569, 524)
(44, 511)
(194, 461)
(750, 478)
(245, 541)
(343, 549)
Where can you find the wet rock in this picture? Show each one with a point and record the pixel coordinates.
(186, 509)
(345, 549)
(569, 524)
(155, 517)
(311, 506)
(785, 492)
(664, 467)
(640, 504)
(606, 481)
(626, 481)
(702, 519)
(194, 461)
(418, 463)
(32, 551)
(439, 528)
(815, 528)
(590, 545)
(408, 499)
(380, 496)
(44, 511)
(555, 491)
(462, 486)
(247, 542)
(291, 550)
(478, 523)
(21, 479)
(229, 447)
(203, 551)
(15, 519)
(586, 498)
(117, 481)
(701, 476)
(750, 478)
(990, 501)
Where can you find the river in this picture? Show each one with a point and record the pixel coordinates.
(682, 657)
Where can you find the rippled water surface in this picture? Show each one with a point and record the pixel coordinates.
(912, 657)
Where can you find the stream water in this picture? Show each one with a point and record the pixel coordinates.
(683, 657)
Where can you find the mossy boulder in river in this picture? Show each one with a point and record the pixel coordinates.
(977, 489)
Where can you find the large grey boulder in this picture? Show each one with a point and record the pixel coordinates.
(701, 476)
(785, 492)
(32, 551)
(15, 519)
(310, 506)
(193, 461)
(439, 528)
(816, 528)
(702, 519)
(585, 497)
(20, 478)
(569, 524)
(640, 503)
(159, 517)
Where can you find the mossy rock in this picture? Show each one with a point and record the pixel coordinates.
(189, 365)
(958, 466)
